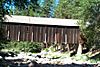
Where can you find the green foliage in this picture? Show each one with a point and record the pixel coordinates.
(50, 49)
(75, 9)
(2, 39)
(32, 8)
(48, 6)
(3, 11)
(25, 8)
(81, 57)
(93, 29)
(85, 57)
(24, 46)
(46, 49)
(94, 60)
(2, 14)
(87, 11)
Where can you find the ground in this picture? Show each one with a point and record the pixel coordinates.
(46, 59)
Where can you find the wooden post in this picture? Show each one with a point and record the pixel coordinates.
(45, 41)
(45, 38)
(65, 38)
(73, 37)
(23, 36)
(26, 36)
(8, 35)
(56, 47)
(66, 42)
(18, 36)
(68, 47)
(32, 37)
(55, 38)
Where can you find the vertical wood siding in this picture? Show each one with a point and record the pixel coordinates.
(41, 33)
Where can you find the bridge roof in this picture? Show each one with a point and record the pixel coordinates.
(41, 20)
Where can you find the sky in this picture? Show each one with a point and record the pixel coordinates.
(56, 2)
(52, 8)
(12, 6)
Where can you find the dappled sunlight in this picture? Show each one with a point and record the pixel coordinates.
(47, 58)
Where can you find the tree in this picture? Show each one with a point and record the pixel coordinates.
(33, 8)
(24, 7)
(71, 9)
(87, 11)
(93, 29)
(3, 12)
(21, 7)
(47, 8)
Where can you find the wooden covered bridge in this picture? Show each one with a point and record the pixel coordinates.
(38, 29)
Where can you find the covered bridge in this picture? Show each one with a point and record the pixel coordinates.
(39, 29)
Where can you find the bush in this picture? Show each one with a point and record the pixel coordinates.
(24, 46)
(2, 39)
(81, 57)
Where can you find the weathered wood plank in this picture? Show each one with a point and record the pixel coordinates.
(42, 33)
(31, 33)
